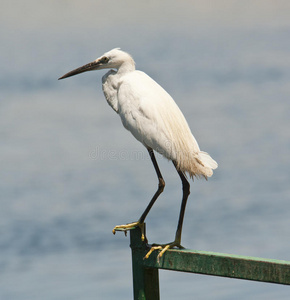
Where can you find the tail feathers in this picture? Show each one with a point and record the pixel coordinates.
(198, 165)
(207, 161)
(206, 165)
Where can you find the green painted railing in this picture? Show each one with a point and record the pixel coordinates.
(145, 271)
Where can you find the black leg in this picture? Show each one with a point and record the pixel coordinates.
(177, 241)
(161, 185)
(140, 222)
(186, 192)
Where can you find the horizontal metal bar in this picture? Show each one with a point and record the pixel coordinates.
(225, 265)
(217, 264)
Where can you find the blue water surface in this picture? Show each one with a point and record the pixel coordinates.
(70, 172)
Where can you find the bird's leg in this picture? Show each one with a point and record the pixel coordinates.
(177, 241)
(161, 185)
(140, 222)
(185, 194)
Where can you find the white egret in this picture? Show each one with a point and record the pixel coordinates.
(154, 119)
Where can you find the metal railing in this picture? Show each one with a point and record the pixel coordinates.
(145, 271)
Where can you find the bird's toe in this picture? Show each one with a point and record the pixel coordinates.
(163, 248)
(131, 226)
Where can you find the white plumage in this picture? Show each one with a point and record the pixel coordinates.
(154, 119)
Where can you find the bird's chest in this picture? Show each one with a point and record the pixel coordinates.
(110, 89)
(129, 107)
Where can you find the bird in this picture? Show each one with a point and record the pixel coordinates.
(155, 120)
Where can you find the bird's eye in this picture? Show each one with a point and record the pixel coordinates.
(105, 59)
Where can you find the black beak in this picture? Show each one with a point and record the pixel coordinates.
(88, 67)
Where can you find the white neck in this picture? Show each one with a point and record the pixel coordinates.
(126, 67)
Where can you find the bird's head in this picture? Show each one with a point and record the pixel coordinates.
(114, 59)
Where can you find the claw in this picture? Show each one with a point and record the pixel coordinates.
(163, 251)
(163, 248)
(151, 250)
(131, 226)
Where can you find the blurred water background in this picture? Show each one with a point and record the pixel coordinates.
(70, 172)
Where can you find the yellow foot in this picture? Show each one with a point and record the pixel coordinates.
(131, 226)
(163, 248)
